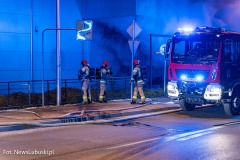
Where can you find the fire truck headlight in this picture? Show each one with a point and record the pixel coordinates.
(172, 89)
(213, 92)
(199, 77)
(214, 88)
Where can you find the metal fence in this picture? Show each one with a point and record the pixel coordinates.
(17, 94)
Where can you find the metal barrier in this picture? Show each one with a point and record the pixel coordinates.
(16, 94)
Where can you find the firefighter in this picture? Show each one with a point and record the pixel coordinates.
(138, 81)
(84, 77)
(104, 73)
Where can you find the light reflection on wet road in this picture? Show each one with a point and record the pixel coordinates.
(202, 134)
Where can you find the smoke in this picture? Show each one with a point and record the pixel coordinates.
(164, 17)
(223, 13)
(158, 17)
(226, 14)
(111, 43)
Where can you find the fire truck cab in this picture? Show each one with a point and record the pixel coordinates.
(204, 68)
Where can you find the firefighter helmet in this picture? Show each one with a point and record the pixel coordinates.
(105, 63)
(84, 62)
(136, 62)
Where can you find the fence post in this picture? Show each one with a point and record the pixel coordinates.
(65, 86)
(48, 93)
(98, 90)
(8, 92)
(112, 88)
(125, 81)
(29, 94)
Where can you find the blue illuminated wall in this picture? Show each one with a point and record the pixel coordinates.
(15, 40)
(44, 17)
(22, 23)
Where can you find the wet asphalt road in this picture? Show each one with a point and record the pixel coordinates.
(202, 134)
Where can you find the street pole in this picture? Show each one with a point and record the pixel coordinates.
(133, 52)
(58, 54)
(47, 29)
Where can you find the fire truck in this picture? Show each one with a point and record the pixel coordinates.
(204, 68)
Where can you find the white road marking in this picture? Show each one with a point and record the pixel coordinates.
(134, 143)
(179, 137)
(194, 134)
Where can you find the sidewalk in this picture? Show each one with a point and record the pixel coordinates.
(75, 114)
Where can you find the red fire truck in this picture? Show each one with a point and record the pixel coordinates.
(204, 68)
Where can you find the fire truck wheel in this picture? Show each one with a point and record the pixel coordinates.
(233, 108)
(186, 106)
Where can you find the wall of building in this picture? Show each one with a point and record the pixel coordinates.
(23, 21)
(15, 40)
(22, 25)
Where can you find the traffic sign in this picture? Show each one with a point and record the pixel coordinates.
(133, 47)
(134, 30)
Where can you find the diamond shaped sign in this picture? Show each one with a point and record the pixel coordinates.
(133, 47)
(134, 30)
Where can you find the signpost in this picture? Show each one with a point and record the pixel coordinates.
(133, 30)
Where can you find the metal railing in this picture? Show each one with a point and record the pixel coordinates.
(16, 94)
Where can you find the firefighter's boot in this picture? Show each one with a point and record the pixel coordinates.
(104, 100)
(142, 100)
(134, 100)
(100, 99)
(89, 100)
(85, 100)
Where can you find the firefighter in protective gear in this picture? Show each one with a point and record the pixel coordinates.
(105, 72)
(84, 76)
(138, 81)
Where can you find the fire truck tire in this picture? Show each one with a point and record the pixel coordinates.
(233, 108)
(186, 106)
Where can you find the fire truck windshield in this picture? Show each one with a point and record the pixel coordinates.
(195, 49)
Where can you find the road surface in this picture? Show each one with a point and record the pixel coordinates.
(205, 133)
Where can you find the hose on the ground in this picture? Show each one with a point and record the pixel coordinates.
(81, 113)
